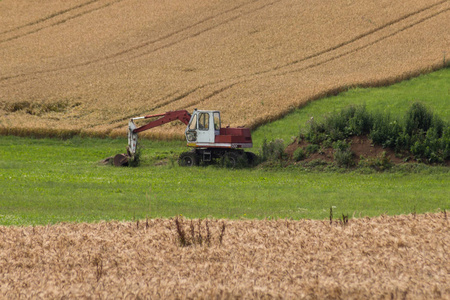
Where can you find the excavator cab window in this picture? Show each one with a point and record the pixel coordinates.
(191, 132)
(193, 124)
(203, 121)
(216, 121)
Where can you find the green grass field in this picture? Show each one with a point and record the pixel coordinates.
(48, 180)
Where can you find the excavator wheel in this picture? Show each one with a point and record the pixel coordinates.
(252, 158)
(121, 160)
(230, 159)
(188, 159)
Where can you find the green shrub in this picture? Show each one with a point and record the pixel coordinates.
(418, 118)
(342, 154)
(428, 135)
(344, 158)
(273, 150)
(312, 148)
(353, 120)
(432, 147)
(316, 132)
(341, 145)
(445, 142)
(336, 126)
(299, 154)
(385, 131)
(438, 125)
(362, 121)
(402, 142)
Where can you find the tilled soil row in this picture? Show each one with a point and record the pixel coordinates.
(401, 257)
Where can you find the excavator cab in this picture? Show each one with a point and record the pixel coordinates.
(203, 127)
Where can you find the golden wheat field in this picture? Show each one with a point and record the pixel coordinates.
(400, 257)
(88, 65)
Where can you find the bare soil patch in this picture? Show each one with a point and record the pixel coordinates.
(401, 257)
(361, 146)
(255, 60)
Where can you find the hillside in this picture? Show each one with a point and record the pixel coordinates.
(88, 66)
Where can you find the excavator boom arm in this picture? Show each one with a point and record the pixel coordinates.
(170, 116)
(133, 130)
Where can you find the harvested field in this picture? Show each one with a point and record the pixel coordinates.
(87, 66)
(401, 257)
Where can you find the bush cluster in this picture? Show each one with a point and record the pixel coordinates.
(272, 151)
(353, 120)
(299, 154)
(421, 132)
(343, 154)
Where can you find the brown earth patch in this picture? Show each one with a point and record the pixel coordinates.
(325, 154)
(401, 257)
(255, 60)
(362, 148)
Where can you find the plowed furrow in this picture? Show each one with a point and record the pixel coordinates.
(49, 17)
(152, 42)
(207, 29)
(58, 22)
(352, 51)
(364, 36)
(216, 92)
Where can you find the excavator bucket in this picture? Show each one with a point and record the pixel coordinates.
(121, 160)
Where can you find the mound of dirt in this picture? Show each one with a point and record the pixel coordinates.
(87, 66)
(401, 257)
(361, 147)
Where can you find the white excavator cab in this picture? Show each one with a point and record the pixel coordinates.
(203, 127)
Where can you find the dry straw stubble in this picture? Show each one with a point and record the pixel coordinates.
(384, 257)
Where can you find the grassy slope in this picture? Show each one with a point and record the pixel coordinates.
(49, 180)
(431, 89)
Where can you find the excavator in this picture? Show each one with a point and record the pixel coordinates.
(204, 134)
